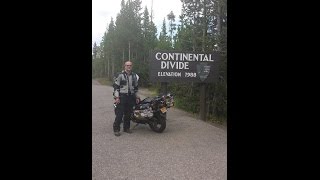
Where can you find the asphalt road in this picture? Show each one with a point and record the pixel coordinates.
(187, 149)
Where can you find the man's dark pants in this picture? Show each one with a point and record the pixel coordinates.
(124, 108)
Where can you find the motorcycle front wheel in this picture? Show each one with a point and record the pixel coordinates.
(157, 124)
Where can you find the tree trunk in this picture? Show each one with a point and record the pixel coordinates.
(203, 86)
(219, 24)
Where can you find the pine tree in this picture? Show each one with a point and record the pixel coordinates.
(164, 42)
(109, 47)
(94, 51)
(172, 26)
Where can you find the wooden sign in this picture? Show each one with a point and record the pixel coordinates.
(177, 66)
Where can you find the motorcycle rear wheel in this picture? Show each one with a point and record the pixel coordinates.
(157, 124)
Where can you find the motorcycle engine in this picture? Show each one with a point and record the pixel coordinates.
(143, 111)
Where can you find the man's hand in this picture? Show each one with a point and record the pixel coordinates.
(117, 100)
(137, 100)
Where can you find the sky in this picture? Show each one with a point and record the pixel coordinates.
(103, 10)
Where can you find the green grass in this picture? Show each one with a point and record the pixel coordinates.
(104, 81)
(154, 91)
(217, 120)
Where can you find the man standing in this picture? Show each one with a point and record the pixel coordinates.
(125, 95)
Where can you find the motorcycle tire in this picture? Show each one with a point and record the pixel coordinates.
(157, 124)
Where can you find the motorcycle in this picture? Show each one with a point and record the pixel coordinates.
(153, 111)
